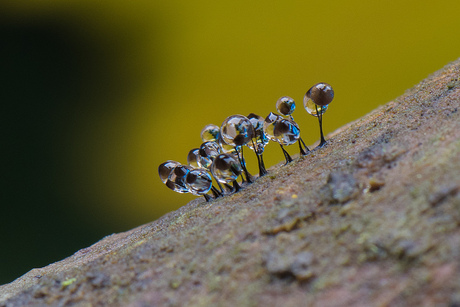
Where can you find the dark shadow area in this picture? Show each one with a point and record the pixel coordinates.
(51, 73)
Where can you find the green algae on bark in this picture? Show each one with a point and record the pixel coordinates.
(372, 218)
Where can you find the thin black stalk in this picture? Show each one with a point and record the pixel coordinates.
(305, 146)
(215, 192)
(243, 165)
(236, 186)
(302, 152)
(286, 155)
(218, 183)
(260, 160)
(262, 169)
(320, 120)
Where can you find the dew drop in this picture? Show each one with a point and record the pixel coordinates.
(210, 133)
(198, 181)
(237, 130)
(286, 132)
(316, 101)
(260, 139)
(321, 94)
(176, 180)
(311, 107)
(226, 168)
(207, 152)
(269, 125)
(165, 169)
(285, 105)
(193, 158)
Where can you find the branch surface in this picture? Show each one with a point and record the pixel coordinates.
(371, 219)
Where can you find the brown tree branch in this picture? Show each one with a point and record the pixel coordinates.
(370, 219)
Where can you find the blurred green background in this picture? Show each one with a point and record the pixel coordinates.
(96, 94)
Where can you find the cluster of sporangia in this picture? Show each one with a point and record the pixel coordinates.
(221, 155)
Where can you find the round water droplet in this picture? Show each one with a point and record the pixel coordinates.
(165, 169)
(226, 168)
(193, 158)
(286, 132)
(269, 125)
(198, 181)
(260, 139)
(207, 152)
(176, 180)
(256, 121)
(285, 105)
(236, 130)
(311, 107)
(321, 94)
(210, 133)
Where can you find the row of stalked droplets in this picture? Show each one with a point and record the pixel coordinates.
(221, 155)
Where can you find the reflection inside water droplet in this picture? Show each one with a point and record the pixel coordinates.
(260, 139)
(193, 158)
(286, 132)
(285, 105)
(176, 180)
(311, 107)
(269, 125)
(237, 130)
(207, 152)
(226, 168)
(210, 133)
(164, 170)
(198, 181)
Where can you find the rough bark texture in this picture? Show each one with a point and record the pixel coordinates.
(371, 219)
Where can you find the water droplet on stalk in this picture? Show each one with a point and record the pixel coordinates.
(165, 169)
(316, 101)
(176, 180)
(285, 105)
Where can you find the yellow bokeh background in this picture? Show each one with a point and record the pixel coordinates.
(179, 65)
(214, 59)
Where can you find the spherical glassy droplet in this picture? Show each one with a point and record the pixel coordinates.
(269, 125)
(193, 158)
(165, 169)
(176, 180)
(237, 130)
(285, 105)
(286, 132)
(207, 152)
(256, 121)
(260, 139)
(311, 107)
(321, 94)
(226, 168)
(198, 181)
(210, 133)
